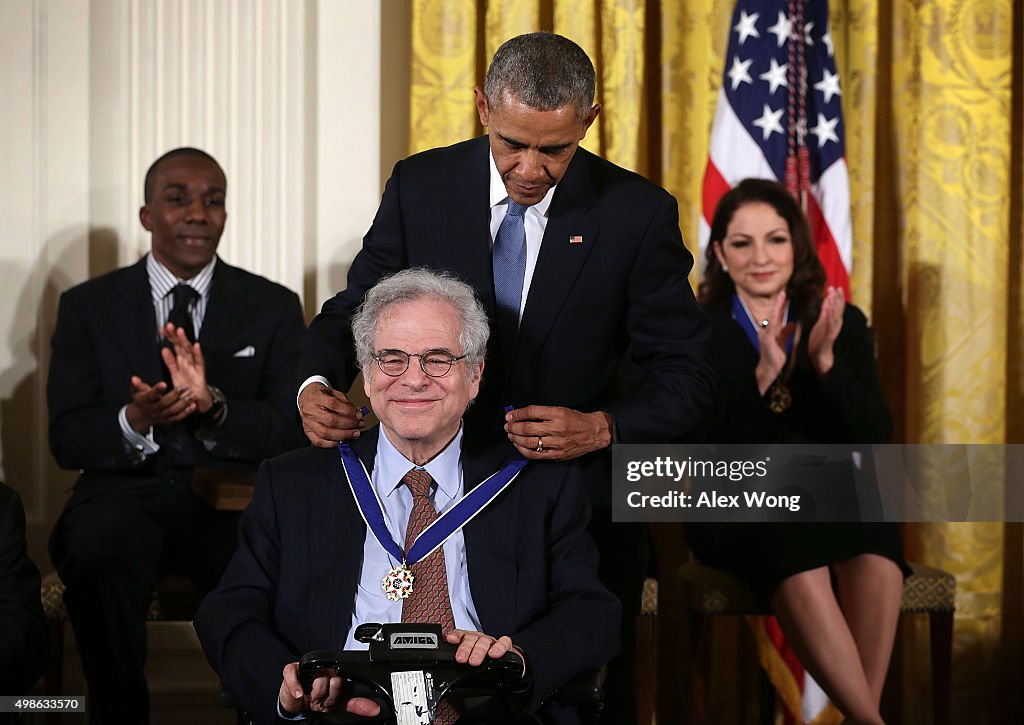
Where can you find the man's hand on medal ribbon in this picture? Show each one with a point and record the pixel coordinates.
(554, 433)
(328, 416)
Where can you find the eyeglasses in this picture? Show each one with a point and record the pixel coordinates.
(435, 363)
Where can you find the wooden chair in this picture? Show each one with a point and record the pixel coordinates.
(225, 489)
(647, 653)
(691, 593)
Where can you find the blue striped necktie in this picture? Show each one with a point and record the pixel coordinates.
(508, 260)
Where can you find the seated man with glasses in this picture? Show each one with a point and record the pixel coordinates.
(517, 570)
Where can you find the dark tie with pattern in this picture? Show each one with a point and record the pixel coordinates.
(181, 316)
(508, 261)
(429, 602)
(175, 438)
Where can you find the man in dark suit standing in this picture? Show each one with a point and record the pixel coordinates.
(177, 361)
(581, 266)
(309, 570)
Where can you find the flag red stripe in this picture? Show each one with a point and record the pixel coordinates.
(828, 250)
(715, 186)
(778, 640)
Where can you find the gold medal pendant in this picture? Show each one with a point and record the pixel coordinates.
(780, 398)
(398, 583)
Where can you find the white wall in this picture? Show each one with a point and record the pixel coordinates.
(286, 94)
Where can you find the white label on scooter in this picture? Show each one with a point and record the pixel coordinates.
(414, 697)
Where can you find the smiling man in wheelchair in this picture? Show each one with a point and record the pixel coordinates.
(408, 526)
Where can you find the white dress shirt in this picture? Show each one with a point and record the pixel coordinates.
(389, 467)
(535, 220)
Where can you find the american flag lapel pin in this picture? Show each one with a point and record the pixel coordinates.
(576, 239)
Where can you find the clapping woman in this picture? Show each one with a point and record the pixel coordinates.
(797, 365)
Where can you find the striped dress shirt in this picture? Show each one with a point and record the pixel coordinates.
(161, 282)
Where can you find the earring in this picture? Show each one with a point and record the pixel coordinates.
(725, 268)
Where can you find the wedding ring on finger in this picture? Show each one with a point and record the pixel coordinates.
(540, 444)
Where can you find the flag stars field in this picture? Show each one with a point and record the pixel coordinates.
(781, 55)
(828, 85)
(769, 122)
(825, 130)
(782, 29)
(775, 76)
(740, 72)
(807, 33)
(827, 40)
(747, 26)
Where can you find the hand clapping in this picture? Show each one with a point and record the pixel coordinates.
(154, 405)
(772, 339)
(825, 331)
(184, 361)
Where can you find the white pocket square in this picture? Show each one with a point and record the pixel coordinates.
(247, 351)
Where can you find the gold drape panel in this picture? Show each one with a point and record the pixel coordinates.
(949, 120)
(932, 97)
(445, 52)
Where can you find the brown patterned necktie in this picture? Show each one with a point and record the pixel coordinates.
(429, 602)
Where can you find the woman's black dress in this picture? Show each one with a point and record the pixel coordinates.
(846, 407)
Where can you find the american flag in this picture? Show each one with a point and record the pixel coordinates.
(765, 127)
(779, 117)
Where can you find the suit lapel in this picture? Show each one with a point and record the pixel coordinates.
(491, 544)
(336, 530)
(560, 261)
(225, 308)
(133, 316)
(462, 241)
(462, 244)
(478, 464)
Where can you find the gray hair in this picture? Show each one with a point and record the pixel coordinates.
(415, 284)
(543, 70)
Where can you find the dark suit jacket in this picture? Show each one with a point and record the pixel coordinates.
(623, 288)
(23, 632)
(106, 332)
(291, 585)
(845, 407)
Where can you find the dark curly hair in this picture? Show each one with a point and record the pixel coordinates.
(807, 285)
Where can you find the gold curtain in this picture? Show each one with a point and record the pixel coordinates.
(948, 140)
(932, 97)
